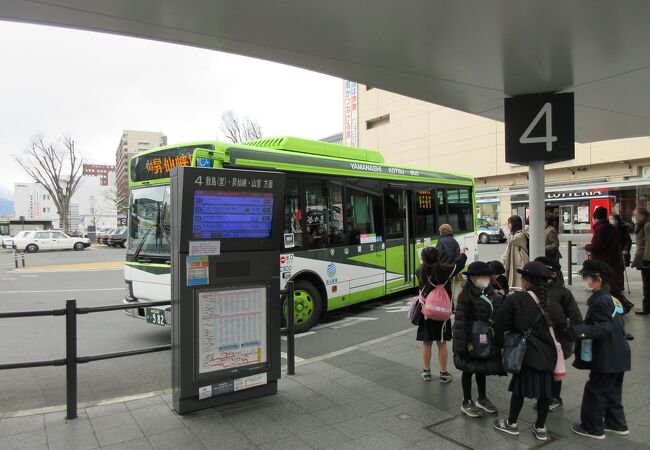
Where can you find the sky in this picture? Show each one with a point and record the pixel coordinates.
(91, 86)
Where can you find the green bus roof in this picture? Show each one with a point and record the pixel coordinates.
(300, 155)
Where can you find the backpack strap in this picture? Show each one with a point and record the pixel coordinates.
(488, 301)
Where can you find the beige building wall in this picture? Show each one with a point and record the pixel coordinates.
(415, 133)
(132, 142)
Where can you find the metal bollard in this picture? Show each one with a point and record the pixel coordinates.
(570, 262)
(15, 259)
(22, 257)
(291, 330)
(71, 358)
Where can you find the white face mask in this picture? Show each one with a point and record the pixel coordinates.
(481, 283)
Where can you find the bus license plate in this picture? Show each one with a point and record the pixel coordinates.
(155, 316)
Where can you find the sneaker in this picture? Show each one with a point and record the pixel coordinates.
(426, 375)
(540, 433)
(620, 432)
(446, 377)
(469, 408)
(486, 405)
(503, 425)
(578, 429)
(556, 403)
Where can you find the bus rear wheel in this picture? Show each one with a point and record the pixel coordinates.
(307, 306)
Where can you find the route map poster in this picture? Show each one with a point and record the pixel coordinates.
(232, 328)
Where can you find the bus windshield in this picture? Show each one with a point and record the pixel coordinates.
(4, 229)
(149, 223)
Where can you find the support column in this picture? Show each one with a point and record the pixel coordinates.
(536, 205)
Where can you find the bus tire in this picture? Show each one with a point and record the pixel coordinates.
(308, 306)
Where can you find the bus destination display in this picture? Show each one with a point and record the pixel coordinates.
(232, 215)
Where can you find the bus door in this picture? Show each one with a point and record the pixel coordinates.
(399, 260)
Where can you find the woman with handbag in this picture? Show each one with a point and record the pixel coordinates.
(528, 313)
(475, 352)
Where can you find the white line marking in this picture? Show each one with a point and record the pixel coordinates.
(299, 335)
(297, 358)
(7, 279)
(355, 347)
(345, 322)
(61, 290)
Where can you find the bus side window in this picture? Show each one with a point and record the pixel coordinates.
(293, 211)
(317, 213)
(363, 215)
(460, 209)
(425, 214)
(336, 216)
(441, 202)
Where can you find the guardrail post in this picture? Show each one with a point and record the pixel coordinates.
(570, 262)
(291, 330)
(71, 358)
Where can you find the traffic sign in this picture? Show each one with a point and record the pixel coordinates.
(539, 127)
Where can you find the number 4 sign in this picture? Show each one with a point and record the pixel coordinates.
(539, 127)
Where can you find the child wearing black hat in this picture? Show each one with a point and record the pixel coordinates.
(498, 280)
(570, 315)
(603, 350)
(529, 312)
(475, 352)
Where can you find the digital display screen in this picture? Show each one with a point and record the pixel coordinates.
(232, 215)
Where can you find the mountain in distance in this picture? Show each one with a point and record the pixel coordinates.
(6, 201)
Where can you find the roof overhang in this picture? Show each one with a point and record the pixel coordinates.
(463, 54)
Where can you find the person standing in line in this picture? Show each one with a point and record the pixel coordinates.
(522, 311)
(606, 247)
(477, 302)
(570, 315)
(431, 273)
(552, 241)
(447, 245)
(642, 256)
(624, 232)
(604, 351)
(516, 254)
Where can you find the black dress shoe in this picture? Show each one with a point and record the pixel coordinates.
(641, 313)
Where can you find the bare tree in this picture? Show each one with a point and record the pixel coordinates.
(58, 169)
(240, 129)
(120, 203)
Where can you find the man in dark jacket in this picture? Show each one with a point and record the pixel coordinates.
(447, 245)
(609, 358)
(568, 314)
(606, 247)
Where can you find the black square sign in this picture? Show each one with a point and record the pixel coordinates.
(539, 127)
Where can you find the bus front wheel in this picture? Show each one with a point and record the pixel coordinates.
(307, 306)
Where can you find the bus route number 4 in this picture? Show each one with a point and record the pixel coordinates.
(548, 138)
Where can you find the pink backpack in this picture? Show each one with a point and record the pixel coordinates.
(437, 305)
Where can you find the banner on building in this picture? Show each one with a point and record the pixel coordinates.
(350, 115)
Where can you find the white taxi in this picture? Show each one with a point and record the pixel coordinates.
(49, 240)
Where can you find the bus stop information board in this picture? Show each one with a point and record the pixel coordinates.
(226, 238)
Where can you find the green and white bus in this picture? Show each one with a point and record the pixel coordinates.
(353, 225)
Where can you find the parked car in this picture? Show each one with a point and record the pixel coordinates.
(489, 233)
(8, 241)
(118, 238)
(34, 241)
(102, 235)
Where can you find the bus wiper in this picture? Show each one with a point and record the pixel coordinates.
(144, 238)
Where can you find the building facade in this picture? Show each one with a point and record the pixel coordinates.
(132, 142)
(411, 132)
(92, 204)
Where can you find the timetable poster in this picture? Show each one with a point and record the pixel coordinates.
(232, 328)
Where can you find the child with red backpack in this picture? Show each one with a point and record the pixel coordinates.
(431, 274)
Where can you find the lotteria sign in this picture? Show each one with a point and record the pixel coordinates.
(577, 195)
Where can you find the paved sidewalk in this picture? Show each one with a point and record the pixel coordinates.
(370, 397)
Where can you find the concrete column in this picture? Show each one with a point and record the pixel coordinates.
(536, 205)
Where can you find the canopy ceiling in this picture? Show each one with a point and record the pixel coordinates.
(464, 54)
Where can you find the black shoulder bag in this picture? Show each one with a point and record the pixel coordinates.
(514, 348)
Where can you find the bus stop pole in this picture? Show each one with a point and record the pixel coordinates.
(570, 262)
(291, 348)
(537, 210)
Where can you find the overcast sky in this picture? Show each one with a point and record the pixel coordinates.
(92, 86)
